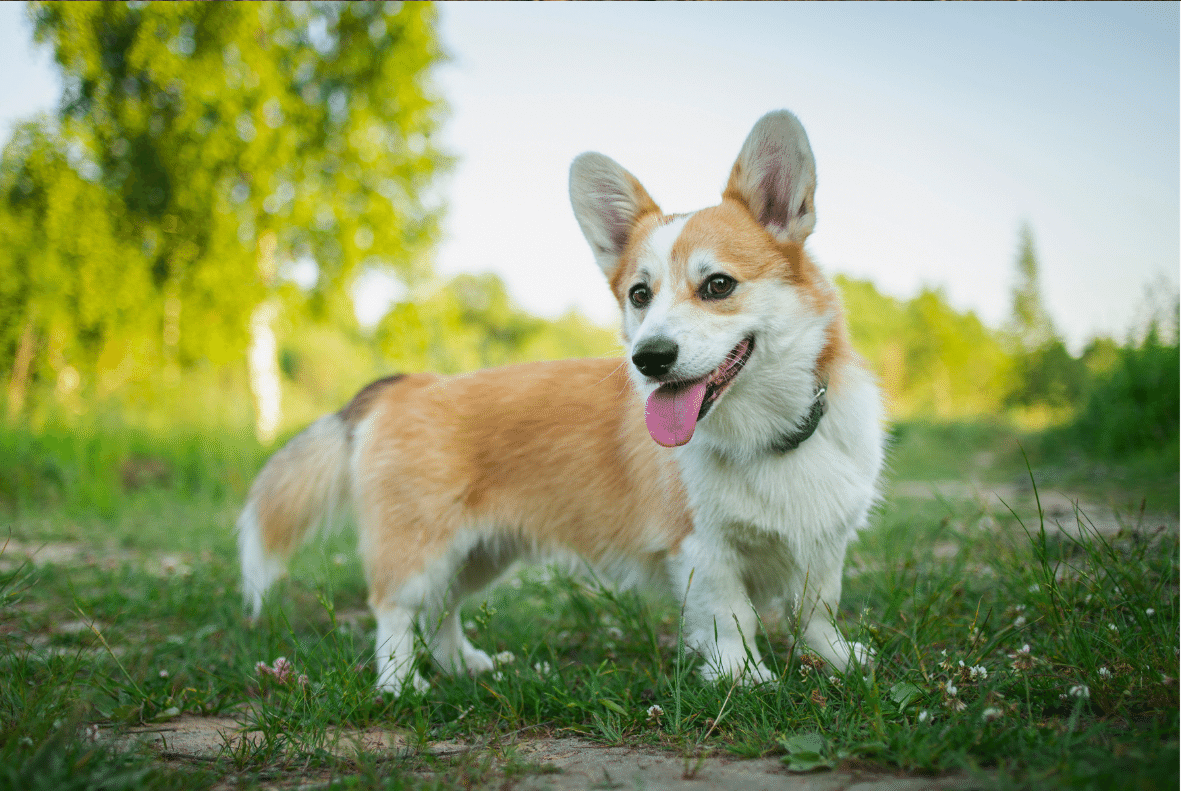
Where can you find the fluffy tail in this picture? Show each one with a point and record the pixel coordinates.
(302, 487)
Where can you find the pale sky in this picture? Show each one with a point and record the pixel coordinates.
(937, 130)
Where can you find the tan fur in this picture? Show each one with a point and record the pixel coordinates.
(554, 453)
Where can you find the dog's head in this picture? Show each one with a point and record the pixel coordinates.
(719, 301)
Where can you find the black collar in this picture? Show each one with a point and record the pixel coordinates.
(796, 438)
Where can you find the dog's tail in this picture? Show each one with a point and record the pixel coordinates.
(301, 488)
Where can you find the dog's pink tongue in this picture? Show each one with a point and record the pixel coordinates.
(671, 413)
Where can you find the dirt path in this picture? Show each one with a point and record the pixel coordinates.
(543, 764)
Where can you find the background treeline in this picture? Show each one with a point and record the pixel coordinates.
(179, 245)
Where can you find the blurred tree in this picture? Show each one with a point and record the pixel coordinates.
(931, 359)
(233, 139)
(1044, 372)
(471, 322)
(1030, 324)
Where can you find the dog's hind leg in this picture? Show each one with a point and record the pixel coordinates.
(439, 619)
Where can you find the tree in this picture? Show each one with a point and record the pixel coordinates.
(1044, 371)
(233, 138)
(1030, 324)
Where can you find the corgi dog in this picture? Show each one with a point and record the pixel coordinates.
(731, 456)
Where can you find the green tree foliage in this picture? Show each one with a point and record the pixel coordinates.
(1030, 325)
(1044, 372)
(472, 323)
(931, 359)
(201, 146)
(1135, 405)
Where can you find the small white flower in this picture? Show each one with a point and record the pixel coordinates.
(991, 714)
(1034, 588)
(469, 626)
(1020, 608)
(1080, 691)
(1104, 673)
(1150, 612)
(655, 712)
(542, 668)
(163, 674)
(978, 673)
(498, 676)
(833, 680)
(504, 658)
(961, 663)
(1024, 649)
(924, 716)
(1087, 599)
(952, 689)
(1019, 621)
(1112, 627)
(614, 632)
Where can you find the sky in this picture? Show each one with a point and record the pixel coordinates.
(938, 129)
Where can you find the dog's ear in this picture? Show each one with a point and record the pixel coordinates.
(775, 176)
(608, 202)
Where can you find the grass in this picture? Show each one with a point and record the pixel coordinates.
(140, 621)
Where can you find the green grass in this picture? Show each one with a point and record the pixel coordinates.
(931, 585)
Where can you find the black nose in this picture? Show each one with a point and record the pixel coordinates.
(655, 356)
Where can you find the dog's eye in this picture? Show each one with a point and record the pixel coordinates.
(639, 295)
(717, 287)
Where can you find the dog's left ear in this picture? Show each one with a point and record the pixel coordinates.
(775, 176)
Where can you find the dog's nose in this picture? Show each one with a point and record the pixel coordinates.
(655, 356)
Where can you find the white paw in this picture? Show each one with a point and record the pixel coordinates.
(476, 661)
(750, 674)
(861, 654)
(396, 684)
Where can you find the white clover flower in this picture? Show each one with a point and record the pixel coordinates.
(163, 674)
(961, 663)
(978, 672)
(924, 716)
(498, 676)
(1034, 588)
(991, 714)
(1020, 608)
(504, 658)
(952, 689)
(1150, 612)
(655, 713)
(1112, 627)
(1104, 673)
(542, 668)
(1080, 691)
(1024, 649)
(1019, 621)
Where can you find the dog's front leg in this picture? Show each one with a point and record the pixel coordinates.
(720, 621)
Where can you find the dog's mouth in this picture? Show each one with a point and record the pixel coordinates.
(673, 409)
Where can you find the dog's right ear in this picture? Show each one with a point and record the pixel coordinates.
(608, 202)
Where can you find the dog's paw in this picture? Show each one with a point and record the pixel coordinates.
(748, 673)
(476, 661)
(397, 685)
(861, 655)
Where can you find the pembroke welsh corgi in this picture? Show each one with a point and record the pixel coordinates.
(731, 456)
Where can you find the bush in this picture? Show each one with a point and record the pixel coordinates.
(1135, 406)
